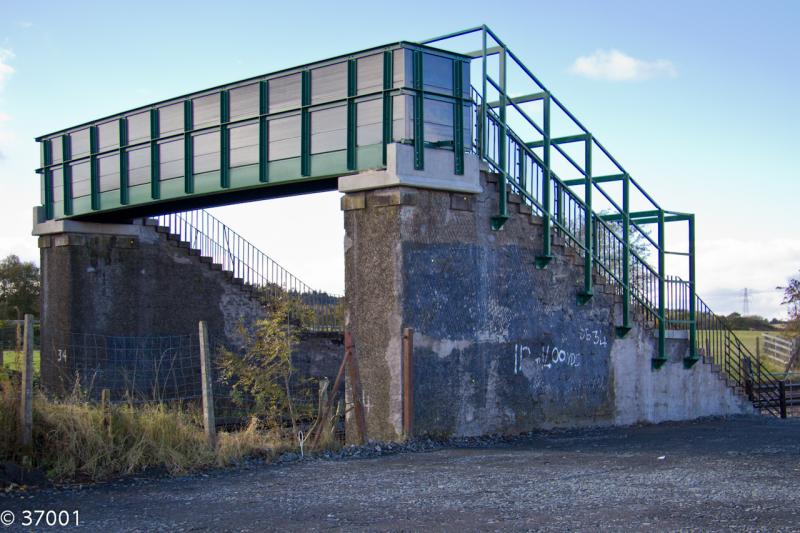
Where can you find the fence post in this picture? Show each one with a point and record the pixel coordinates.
(408, 382)
(105, 402)
(782, 392)
(207, 383)
(26, 389)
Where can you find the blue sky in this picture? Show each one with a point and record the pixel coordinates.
(697, 99)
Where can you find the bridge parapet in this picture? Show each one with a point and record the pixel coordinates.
(293, 130)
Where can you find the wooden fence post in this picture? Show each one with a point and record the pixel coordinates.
(26, 389)
(206, 373)
(408, 382)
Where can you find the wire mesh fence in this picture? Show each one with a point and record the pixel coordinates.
(139, 370)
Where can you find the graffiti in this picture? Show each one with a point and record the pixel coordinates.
(592, 336)
(549, 357)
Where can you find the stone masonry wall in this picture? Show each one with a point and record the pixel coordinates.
(499, 345)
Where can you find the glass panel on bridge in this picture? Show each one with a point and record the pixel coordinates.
(206, 148)
(244, 101)
(284, 138)
(329, 83)
(79, 143)
(369, 118)
(205, 111)
(244, 144)
(170, 157)
(80, 179)
(170, 119)
(284, 93)
(139, 127)
(139, 166)
(328, 130)
(369, 74)
(108, 135)
(108, 169)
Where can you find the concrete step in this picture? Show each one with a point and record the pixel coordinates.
(205, 259)
(195, 252)
(152, 222)
(162, 229)
(216, 266)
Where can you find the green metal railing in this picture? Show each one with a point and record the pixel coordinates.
(267, 280)
(526, 166)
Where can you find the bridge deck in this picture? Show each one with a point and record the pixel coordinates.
(272, 135)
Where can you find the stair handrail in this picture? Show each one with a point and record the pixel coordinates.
(251, 266)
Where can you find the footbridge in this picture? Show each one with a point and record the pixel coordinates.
(536, 271)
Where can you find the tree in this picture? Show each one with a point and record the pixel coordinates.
(791, 298)
(19, 287)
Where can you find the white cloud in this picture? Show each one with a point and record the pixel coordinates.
(613, 65)
(24, 24)
(6, 70)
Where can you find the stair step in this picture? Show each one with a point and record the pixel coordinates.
(216, 266)
(195, 251)
(173, 237)
(183, 244)
(205, 259)
(162, 229)
(152, 222)
(237, 281)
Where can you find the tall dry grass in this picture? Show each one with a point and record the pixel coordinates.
(74, 439)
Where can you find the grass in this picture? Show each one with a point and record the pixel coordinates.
(77, 440)
(12, 360)
(749, 340)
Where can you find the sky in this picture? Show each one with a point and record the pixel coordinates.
(698, 100)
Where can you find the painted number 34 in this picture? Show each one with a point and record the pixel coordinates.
(61, 356)
(592, 336)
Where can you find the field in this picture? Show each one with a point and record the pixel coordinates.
(749, 340)
(11, 360)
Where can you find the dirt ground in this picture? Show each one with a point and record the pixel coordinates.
(713, 475)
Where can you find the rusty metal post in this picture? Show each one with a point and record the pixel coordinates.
(408, 382)
(355, 387)
(26, 389)
(207, 387)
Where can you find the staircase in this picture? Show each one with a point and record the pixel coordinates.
(538, 168)
(258, 275)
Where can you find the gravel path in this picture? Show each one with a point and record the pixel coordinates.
(710, 475)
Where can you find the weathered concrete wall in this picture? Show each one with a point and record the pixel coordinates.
(129, 280)
(499, 345)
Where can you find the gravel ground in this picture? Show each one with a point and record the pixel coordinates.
(710, 475)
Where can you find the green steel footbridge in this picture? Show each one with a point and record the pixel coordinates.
(300, 129)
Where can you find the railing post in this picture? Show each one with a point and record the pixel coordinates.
(502, 156)
(547, 186)
(458, 117)
(188, 147)
(626, 257)
(206, 373)
(482, 119)
(388, 83)
(588, 265)
(26, 390)
(782, 392)
(693, 357)
(419, 111)
(661, 358)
